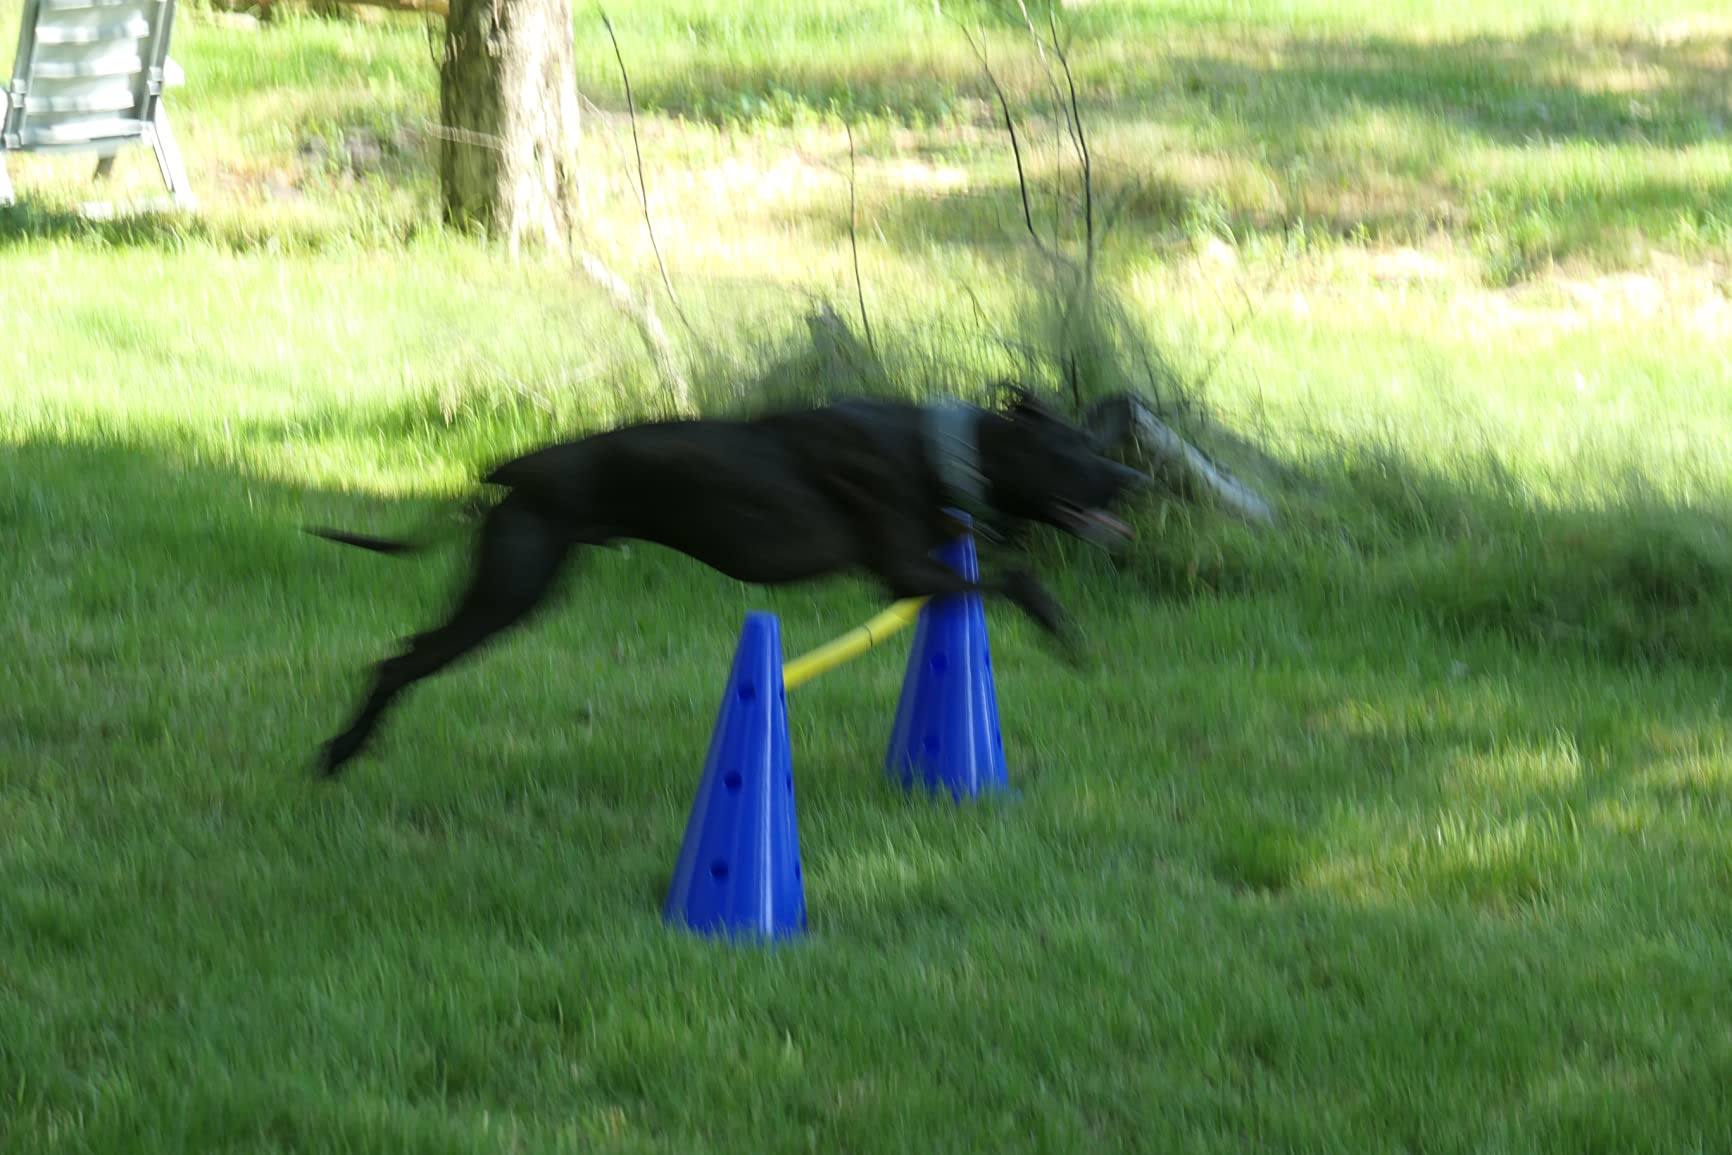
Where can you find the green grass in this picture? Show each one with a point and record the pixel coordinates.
(1399, 828)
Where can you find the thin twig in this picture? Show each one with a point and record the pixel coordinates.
(1058, 97)
(1233, 330)
(437, 44)
(1082, 144)
(602, 116)
(463, 135)
(1058, 105)
(1029, 353)
(854, 243)
(643, 186)
(1010, 127)
(643, 315)
(1238, 324)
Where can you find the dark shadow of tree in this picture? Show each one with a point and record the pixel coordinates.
(144, 228)
(1284, 105)
(1554, 85)
(1548, 87)
(1296, 110)
(1515, 229)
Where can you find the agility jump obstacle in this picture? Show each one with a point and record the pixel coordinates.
(738, 873)
(851, 644)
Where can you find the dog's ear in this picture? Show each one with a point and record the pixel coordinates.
(1024, 403)
(1006, 393)
(1111, 422)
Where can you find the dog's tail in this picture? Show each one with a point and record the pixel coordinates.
(437, 528)
(376, 544)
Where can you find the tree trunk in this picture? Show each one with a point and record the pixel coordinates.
(508, 104)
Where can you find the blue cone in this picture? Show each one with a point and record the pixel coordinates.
(946, 732)
(739, 867)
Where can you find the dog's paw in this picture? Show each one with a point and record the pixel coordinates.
(1040, 605)
(1069, 646)
(1081, 657)
(335, 754)
(1061, 638)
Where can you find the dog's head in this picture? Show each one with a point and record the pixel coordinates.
(1041, 468)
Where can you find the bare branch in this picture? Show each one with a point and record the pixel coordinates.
(1233, 331)
(643, 187)
(1010, 127)
(436, 46)
(463, 135)
(854, 243)
(642, 314)
(1026, 350)
(1082, 144)
(1051, 79)
(1238, 323)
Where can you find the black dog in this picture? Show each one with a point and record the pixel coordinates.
(785, 498)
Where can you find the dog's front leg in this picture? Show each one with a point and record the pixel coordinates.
(1035, 600)
(922, 576)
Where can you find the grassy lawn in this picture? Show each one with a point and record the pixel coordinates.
(1401, 827)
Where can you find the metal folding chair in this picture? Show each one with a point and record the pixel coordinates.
(89, 77)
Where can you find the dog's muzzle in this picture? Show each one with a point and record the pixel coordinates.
(1098, 526)
(1095, 526)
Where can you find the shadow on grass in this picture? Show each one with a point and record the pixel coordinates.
(136, 542)
(1558, 85)
(1519, 222)
(1351, 137)
(120, 548)
(1546, 88)
(1273, 130)
(1631, 581)
(170, 231)
(1281, 832)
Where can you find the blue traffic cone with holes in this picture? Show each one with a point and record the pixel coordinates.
(946, 733)
(738, 873)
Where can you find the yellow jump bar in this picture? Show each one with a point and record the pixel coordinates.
(851, 644)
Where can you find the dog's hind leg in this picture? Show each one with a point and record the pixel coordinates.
(519, 555)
